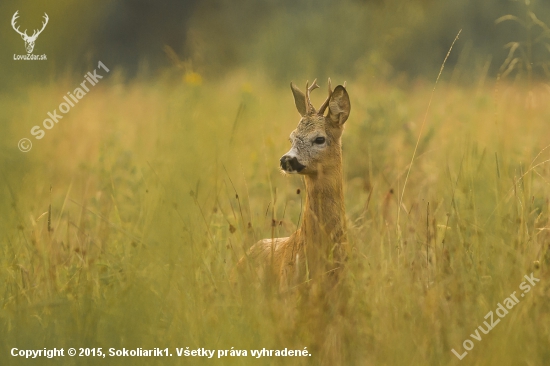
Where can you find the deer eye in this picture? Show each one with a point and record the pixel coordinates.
(319, 140)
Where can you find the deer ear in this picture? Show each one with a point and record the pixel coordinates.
(339, 105)
(299, 99)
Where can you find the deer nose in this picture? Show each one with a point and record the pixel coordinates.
(290, 164)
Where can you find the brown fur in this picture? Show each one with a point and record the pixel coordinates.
(318, 246)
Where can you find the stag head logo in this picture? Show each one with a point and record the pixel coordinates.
(29, 40)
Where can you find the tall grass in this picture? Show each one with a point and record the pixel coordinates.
(159, 187)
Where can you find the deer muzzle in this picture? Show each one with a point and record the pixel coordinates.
(290, 164)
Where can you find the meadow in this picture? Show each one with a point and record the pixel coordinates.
(120, 228)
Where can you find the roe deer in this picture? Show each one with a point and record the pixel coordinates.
(317, 247)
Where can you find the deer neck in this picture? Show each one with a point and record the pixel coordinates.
(324, 214)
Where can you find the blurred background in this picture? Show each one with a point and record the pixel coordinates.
(284, 38)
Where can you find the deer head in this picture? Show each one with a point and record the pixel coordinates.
(29, 40)
(316, 144)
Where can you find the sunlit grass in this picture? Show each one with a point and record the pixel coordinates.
(158, 188)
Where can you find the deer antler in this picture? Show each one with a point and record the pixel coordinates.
(309, 89)
(325, 104)
(13, 20)
(313, 86)
(37, 32)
